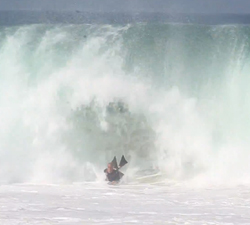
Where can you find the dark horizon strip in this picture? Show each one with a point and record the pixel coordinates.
(12, 17)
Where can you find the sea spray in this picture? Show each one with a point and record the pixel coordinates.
(171, 97)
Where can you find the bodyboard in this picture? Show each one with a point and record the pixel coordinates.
(150, 178)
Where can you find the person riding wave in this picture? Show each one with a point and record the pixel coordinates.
(112, 171)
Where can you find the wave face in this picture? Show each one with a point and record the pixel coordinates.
(168, 96)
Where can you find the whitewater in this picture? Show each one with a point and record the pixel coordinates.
(172, 97)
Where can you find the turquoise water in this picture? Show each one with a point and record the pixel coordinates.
(172, 97)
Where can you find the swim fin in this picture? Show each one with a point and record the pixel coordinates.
(115, 166)
(123, 162)
(114, 163)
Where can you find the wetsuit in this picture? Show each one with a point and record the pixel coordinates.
(113, 176)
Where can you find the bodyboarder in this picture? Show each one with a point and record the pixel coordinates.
(112, 171)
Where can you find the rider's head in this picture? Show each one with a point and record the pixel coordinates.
(110, 168)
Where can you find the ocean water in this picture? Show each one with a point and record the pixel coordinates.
(128, 204)
(172, 97)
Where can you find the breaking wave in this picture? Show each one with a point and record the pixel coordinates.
(170, 97)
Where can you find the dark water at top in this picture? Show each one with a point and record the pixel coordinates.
(10, 18)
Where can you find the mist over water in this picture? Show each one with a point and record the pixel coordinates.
(171, 97)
